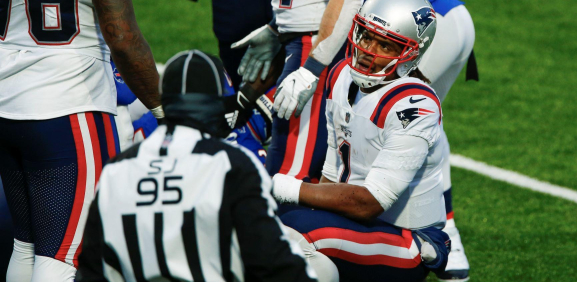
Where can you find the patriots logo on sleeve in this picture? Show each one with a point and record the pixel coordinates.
(406, 116)
(423, 19)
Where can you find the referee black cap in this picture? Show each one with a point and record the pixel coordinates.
(192, 88)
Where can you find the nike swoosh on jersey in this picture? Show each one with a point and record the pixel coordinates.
(416, 101)
(287, 58)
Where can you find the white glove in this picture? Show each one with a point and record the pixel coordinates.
(294, 92)
(286, 189)
(263, 45)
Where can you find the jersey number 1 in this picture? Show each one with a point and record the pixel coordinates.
(345, 152)
(53, 23)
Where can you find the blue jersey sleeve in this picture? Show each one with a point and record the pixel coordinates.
(124, 96)
(145, 124)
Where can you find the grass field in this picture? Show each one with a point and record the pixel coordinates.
(517, 117)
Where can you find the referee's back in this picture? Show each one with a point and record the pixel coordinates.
(183, 207)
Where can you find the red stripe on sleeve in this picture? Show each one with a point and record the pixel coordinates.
(383, 98)
(336, 72)
(80, 190)
(404, 94)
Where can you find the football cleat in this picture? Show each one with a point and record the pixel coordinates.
(457, 269)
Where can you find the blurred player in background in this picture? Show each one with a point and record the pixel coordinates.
(57, 106)
(379, 209)
(183, 205)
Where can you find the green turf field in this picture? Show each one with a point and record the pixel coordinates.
(517, 117)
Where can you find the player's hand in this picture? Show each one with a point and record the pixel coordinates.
(286, 189)
(294, 92)
(263, 44)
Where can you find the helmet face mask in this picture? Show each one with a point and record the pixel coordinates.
(408, 26)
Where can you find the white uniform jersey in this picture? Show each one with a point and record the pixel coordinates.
(54, 60)
(364, 135)
(298, 15)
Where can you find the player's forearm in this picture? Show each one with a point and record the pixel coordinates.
(335, 24)
(129, 49)
(330, 17)
(352, 201)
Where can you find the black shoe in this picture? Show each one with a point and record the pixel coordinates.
(457, 275)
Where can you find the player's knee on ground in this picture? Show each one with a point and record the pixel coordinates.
(21, 262)
(49, 269)
(326, 270)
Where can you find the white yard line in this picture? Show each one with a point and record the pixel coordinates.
(500, 174)
(512, 177)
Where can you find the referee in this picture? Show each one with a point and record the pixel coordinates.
(183, 205)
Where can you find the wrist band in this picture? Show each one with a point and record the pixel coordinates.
(314, 66)
(157, 112)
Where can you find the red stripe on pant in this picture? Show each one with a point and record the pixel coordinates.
(109, 136)
(313, 126)
(357, 237)
(80, 190)
(95, 143)
(294, 123)
(450, 215)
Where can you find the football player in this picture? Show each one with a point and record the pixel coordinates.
(57, 107)
(442, 64)
(379, 209)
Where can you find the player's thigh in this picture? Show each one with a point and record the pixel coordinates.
(361, 252)
(63, 160)
(298, 145)
(14, 183)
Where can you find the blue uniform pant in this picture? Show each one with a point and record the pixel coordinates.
(49, 169)
(373, 251)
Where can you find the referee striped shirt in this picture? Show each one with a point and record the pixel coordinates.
(182, 206)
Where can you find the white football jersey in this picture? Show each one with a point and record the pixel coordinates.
(298, 15)
(54, 60)
(359, 132)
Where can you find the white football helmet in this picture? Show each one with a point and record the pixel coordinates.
(410, 23)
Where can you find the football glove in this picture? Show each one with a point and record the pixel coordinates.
(263, 44)
(294, 92)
